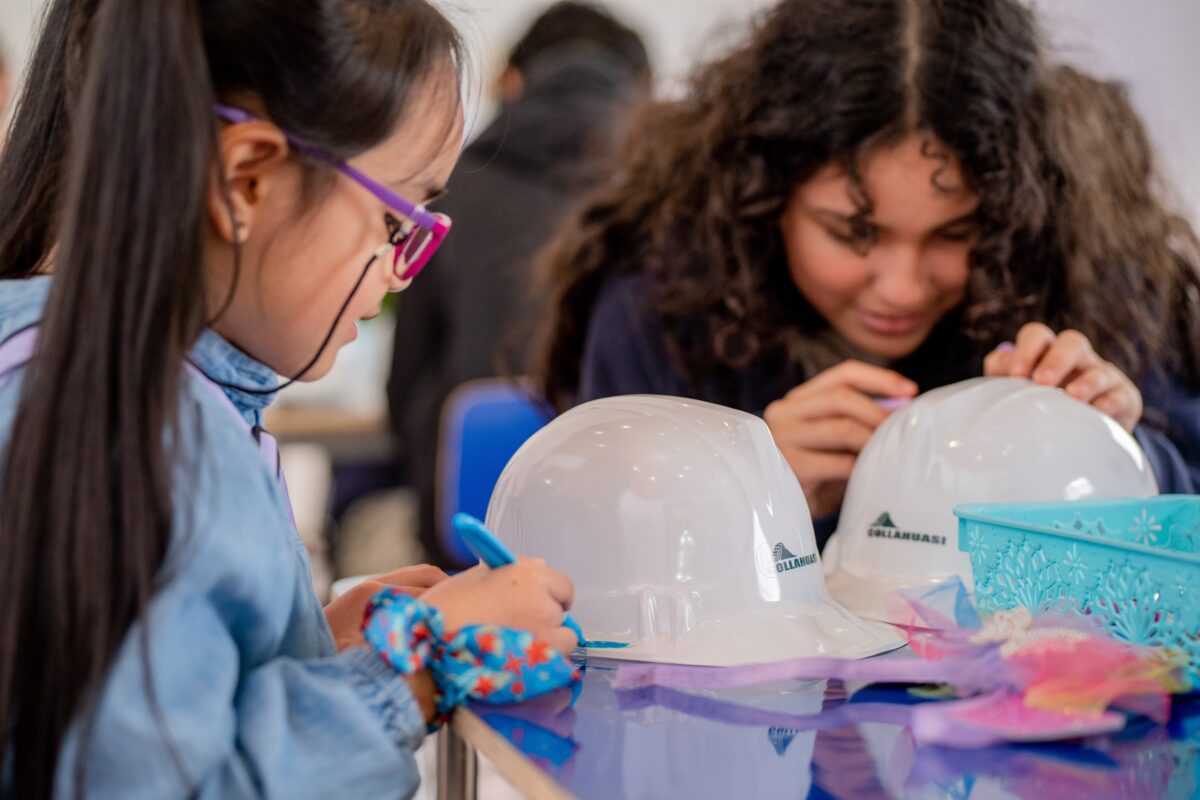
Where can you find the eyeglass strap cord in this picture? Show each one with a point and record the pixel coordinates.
(320, 351)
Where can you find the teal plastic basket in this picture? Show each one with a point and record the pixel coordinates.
(1133, 564)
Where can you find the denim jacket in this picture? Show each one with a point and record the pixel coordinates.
(254, 699)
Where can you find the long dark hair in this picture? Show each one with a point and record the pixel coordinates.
(104, 179)
(1073, 229)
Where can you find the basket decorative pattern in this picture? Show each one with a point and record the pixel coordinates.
(1134, 564)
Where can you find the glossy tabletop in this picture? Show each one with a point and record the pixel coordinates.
(803, 740)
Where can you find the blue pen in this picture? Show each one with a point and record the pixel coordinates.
(488, 549)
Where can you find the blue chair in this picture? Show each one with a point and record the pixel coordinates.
(484, 422)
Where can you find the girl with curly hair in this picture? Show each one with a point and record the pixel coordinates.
(871, 198)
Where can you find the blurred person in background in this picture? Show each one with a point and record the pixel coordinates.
(565, 92)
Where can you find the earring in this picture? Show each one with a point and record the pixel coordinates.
(239, 232)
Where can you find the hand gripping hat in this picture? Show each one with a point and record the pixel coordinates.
(684, 531)
(988, 440)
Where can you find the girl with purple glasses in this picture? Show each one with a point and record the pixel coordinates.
(197, 199)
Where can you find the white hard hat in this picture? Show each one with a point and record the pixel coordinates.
(684, 531)
(987, 440)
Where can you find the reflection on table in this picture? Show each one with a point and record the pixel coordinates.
(810, 740)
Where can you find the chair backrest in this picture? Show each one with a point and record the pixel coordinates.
(484, 422)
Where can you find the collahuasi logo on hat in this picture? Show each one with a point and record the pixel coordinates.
(781, 738)
(786, 560)
(884, 528)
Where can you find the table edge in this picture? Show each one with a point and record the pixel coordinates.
(512, 764)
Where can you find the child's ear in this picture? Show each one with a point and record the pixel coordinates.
(251, 154)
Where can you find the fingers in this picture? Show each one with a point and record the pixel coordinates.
(838, 435)
(1124, 404)
(997, 362)
(361, 595)
(838, 402)
(424, 575)
(835, 411)
(1094, 382)
(364, 591)
(821, 425)
(1069, 353)
(562, 591)
(1068, 360)
(866, 378)
(1042, 355)
(562, 639)
(556, 585)
(812, 467)
(1032, 342)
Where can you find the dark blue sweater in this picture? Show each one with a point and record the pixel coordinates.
(626, 353)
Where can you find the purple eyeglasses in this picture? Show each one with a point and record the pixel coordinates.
(413, 241)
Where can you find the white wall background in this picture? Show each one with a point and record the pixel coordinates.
(17, 19)
(1149, 44)
(676, 31)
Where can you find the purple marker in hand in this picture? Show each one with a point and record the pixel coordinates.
(892, 403)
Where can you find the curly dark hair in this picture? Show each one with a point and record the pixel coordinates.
(1073, 230)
